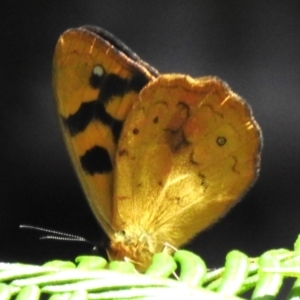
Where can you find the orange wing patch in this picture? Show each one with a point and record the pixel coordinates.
(160, 157)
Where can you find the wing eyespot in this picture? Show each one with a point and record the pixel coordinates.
(135, 131)
(155, 120)
(221, 141)
(97, 76)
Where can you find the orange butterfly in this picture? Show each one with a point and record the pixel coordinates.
(160, 157)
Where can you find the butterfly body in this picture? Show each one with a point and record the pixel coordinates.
(160, 157)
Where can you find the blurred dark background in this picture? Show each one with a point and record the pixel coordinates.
(253, 45)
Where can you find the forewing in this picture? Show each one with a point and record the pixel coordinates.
(96, 80)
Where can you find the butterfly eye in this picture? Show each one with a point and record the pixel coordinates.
(221, 141)
(97, 76)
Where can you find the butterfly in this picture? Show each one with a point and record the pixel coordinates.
(160, 157)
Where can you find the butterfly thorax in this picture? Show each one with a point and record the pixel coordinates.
(134, 245)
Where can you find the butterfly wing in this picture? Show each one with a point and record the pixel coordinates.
(96, 81)
(189, 150)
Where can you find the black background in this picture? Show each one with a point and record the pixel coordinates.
(253, 45)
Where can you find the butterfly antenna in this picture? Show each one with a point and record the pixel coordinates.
(56, 235)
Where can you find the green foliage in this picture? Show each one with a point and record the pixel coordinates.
(183, 275)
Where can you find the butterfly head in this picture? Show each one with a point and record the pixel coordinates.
(134, 245)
